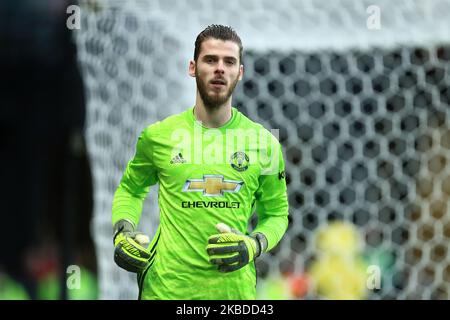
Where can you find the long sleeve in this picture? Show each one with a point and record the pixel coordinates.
(272, 204)
(139, 175)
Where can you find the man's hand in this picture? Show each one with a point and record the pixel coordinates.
(130, 251)
(232, 250)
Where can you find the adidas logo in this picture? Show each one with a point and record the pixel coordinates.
(178, 159)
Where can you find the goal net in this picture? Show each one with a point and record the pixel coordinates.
(360, 91)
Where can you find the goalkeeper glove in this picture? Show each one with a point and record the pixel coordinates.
(232, 250)
(130, 253)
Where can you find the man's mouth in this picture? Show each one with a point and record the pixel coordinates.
(218, 83)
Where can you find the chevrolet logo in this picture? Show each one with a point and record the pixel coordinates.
(212, 185)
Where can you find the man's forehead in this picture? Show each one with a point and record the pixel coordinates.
(219, 47)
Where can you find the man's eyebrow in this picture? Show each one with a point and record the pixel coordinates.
(213, 56)
(231, 58)
(208, 56)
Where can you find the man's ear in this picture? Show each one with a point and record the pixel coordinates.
(192, 67)
(241, 72)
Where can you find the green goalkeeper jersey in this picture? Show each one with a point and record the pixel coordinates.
(205, 176)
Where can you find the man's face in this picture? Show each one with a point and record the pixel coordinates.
(216, 71)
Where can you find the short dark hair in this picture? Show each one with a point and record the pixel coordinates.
(217, 31)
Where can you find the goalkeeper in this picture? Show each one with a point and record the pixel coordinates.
(207, 194)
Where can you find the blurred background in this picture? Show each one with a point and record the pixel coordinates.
(360, 91)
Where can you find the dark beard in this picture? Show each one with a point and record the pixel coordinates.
(213, 102)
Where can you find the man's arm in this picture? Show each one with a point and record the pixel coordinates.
(139, 175)
(272, 203)
(130, 252)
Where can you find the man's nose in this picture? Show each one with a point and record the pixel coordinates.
(220, 67)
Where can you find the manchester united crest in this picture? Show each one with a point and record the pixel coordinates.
(239, 161)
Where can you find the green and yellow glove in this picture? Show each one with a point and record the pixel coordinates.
(232, 250)
(130, 251)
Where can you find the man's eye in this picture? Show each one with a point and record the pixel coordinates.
(230, 62)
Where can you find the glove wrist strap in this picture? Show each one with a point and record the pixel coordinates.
(261, 243)
(122, 226)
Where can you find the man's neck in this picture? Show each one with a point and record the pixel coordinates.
(212, 118)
